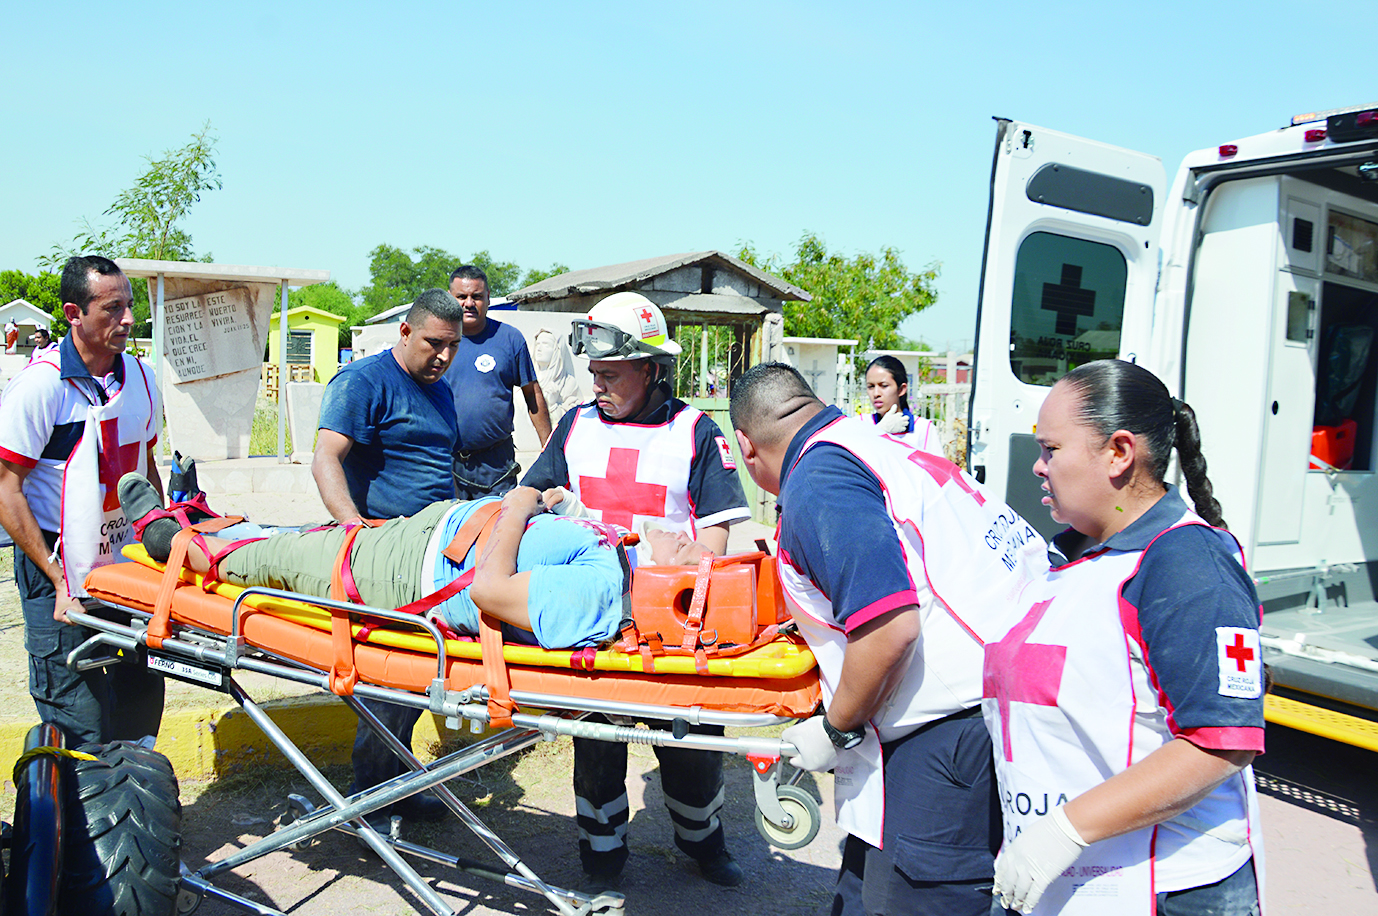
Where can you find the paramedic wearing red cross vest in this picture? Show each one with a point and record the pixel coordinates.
(897, 567)
(72, 422)
(1125, 702)
(637, 454)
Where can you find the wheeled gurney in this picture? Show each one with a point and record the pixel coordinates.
(203, 632)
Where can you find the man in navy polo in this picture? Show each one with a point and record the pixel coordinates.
(897, 568)
(492, 360)
(387, 431)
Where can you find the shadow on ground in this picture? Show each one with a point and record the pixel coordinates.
(528, 802)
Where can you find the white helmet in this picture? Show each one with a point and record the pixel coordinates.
(623, 326)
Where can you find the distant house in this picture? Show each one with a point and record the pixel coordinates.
(725, 313)
(28, 317)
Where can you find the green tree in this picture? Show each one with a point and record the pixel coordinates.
(536, 274)
(398, 279)
(148, 215)
(328, 297)
(40, 290)
(864, 297)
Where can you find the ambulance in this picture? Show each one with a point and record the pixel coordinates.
(1249, 286)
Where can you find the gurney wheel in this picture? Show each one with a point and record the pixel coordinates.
(802, 808)
(124, 834)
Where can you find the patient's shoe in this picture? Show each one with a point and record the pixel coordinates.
(139, 500)
(721, 869)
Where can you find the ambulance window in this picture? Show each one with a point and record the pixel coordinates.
(1068, 306)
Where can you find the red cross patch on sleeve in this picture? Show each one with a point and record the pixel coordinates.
(1241, 664)
(725, 452)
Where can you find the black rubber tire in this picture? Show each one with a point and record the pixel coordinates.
(123, 841)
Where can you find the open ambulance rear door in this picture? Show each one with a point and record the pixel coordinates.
(1069, 273)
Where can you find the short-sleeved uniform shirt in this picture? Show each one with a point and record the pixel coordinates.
(42, 418)
(854, 557)
(715, 490)
(1187, 585)
(485, 369)
(574, 596)
(403, 431)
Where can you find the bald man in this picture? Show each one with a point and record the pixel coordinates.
(872, 532)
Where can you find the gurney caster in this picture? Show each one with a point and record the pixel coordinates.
(801, 820)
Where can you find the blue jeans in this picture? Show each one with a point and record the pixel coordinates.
(122, 701)
(491, 471)
(1236, 895)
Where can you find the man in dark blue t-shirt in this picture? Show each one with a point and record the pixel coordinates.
(492, 360)
(386, 434)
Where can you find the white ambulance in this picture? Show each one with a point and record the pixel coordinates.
(1251, 288)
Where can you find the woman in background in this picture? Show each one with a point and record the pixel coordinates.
(887, 385)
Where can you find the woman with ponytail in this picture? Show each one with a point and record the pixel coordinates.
(1126, 701)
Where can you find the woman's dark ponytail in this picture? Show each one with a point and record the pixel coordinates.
(1194, 464)
(1119, 395)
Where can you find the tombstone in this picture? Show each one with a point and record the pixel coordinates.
(210, 334)
(214, 338)
(303, 401)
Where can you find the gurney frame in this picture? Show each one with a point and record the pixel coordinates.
(787, 816)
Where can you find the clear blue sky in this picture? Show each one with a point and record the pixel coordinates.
(595, 133)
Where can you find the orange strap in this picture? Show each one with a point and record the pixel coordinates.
(343, 674)
(693, 621)
(475, 529)
(474, 533)
(160, 626)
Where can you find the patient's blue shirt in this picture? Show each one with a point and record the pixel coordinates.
(575, 594)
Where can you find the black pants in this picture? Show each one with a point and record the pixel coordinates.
(121, 702)
(942, 828)
(692, 782)
(374, 761)
(491, 471)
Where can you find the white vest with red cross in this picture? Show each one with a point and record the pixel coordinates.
(1071, 701)
(970, 557)
(626, 473)
(115, 441)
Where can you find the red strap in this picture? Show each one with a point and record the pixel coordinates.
(475, 530)
(343, 674)
(212, 574)
(495, 675)
(160, 626)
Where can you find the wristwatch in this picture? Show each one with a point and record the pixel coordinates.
(843, 741)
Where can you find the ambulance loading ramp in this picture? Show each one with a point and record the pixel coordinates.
(1320, 641)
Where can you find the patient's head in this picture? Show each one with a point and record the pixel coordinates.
(672, 548)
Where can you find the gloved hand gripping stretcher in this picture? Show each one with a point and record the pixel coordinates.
(696, 645)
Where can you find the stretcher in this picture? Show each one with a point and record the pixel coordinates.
(204, 631)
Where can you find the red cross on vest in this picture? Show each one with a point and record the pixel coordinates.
(1240, 652)
(944, 471)
(1017, 671)
(618, 496)
(115, 461)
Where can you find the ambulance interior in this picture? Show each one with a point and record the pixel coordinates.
(1309, 508)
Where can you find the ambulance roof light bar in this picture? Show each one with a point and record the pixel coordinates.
(1322, 115)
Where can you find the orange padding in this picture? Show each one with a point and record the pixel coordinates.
(134, 586)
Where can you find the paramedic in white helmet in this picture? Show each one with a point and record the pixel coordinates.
(633, 454)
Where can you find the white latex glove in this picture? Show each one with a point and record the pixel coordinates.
(562, 502)
(1040, 853)
(815, 750)
(892, 421)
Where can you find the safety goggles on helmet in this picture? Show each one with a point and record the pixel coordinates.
(601, 341)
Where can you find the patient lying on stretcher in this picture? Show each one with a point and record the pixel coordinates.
(552, 580)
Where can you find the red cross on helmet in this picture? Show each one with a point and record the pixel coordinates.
(623, 326)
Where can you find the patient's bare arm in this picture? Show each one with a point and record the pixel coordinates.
(498, 589)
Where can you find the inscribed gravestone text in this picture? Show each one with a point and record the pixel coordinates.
(209, 335)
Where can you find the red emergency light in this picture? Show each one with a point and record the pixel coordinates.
(1228, 149)
(1315, 136)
